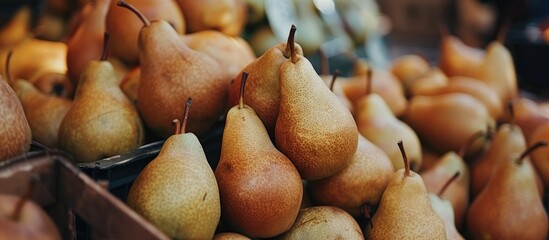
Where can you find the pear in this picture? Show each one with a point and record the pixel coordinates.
(360, 185)
(260, 188)
(337, 88)
(323, 222)
(313, 129)
(177, 191)
(458, 59)
(263, 94)
(432, 80)
(526, 113)
(125, 28)
(405, 211)
(377, 123)
(229, 236)
(86, 43)
(130, 83)
(445, 211)
(540, 158)
(409, 68)
(510, 206)
(102, 122)
(457, 194)
(15, 131)
(446, 121)
(170, 70)
(226, 16)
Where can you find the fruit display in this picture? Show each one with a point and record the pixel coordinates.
(284, 139)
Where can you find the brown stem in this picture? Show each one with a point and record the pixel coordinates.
(144, 19)
(472, 139)
(105, 53)
(404, 158)
(530, 149)
(451, 180)
(242, 86)
(369, 81)
(290, 45)
(177, 125)
(324, 63)
(28, 194)
(502, 31)
(334, 77)
(186, 114)
(511, 112)
(366, 211)
(9, 77)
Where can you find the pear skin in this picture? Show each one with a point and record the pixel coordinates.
(226, 16)
(14, 127)
(446, 212)
(540, 157)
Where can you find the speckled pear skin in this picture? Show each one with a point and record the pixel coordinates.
(177, 191)
(405, 211)
(362, 182)
(510, 206)
(313, 129)
(262, 84)
(44, 112)
(101, 122)
(170, 73)
(260, 189)
(15, 132)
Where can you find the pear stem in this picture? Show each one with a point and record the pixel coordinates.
(324, 63)
(290, 45)
(334, 77)
(9, 77)
(369, 74)
(242, 86)
(28, 194)
(472, 139)
(404, 158)
(502, 31)
(177, 125)
(186, 114)
(530, 150)
(105, 53)
(511, 112)
(450, 181)
(144, 19)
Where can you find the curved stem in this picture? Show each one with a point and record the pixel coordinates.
(472, 139)
(369, 75)
(404, 158)
(186, 114)
(177, 125)
(105, 53)
(144, 19)
(242, 86)
(334, 77)
(290, 45)
(451, 180)
(28, 194)
(9, 77)
(530, 149)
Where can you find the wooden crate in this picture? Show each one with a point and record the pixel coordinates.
(66, 192)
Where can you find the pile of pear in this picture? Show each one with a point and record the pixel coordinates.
(414, 151)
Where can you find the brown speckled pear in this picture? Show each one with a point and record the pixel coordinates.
(171, 72)
(359, 185)
(260, 188)
(102, 122)
(323, 222)
(313, 129)
(405, 211)
(510, 206)
(15, 132)
(263, 88)
(177, 191)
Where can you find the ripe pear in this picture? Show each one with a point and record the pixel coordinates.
(230, 236)
(446, 121)
(337, 88)
(226, 16)
(377, 123)
(323, 222)
(433, 79)
(313, 129)
(260, 188)
(125, 28)
(130, 84)
(171, 71)
(405, 211)
(177, 191)
(102, 122)
(409, 68)
(458, 192)
(510, 206)
(86, 44)
(360, 184)
(445, 211)
(15, 131)
(540, 158)
(263, 94)
(458, 59)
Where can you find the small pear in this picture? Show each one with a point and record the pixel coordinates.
(230, 236)
(408, 69)
(323, 222)
(377, 123)
(313, 129)
(405, 211)
(360, 185)
(445, 211)
(177, 191)
(102, 122)
(433, 79)
(260, 188)
(226, 16)
(458, 59)
(510, 206)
